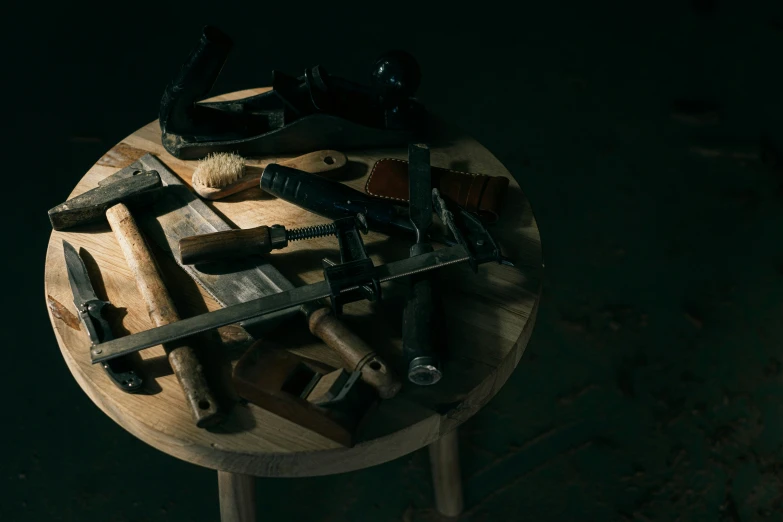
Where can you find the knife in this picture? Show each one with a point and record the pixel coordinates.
(90, 310)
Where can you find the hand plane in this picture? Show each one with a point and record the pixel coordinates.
(317, 110)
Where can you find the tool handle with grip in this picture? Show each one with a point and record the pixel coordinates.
(227, 244)
(417, 326)
(182, 358)
(355, 352)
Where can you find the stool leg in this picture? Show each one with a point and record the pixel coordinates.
(237, 497)
(444, 460)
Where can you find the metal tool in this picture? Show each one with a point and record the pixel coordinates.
(234, 244)
(110, 199)
(334, 200)
(90, 310)
(314, 111)
(418, 314)
(475, 247)
(178, 213)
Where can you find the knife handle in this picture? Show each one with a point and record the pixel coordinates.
(355, 352)
(417, 326)
(227, 244)
(118, 369)
(182, 358)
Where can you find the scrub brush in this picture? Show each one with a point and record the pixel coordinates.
(222, 174)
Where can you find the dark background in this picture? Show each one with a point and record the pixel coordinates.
(651, 389)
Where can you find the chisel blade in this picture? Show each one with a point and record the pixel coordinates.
(420, 188)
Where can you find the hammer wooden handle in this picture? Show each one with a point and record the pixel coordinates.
(355, 352)
(227, 244)
(182, 358)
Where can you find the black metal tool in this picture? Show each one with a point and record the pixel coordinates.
(476, 247)
(419, 311)
(334, 200)
(300, 114)
(354, 277)
(238, 243)
(90, 310)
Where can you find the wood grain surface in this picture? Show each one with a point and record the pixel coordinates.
(490, 317)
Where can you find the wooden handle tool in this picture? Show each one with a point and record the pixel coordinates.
(313, 162)
(355, 352)
(182, 358)
(226, 244)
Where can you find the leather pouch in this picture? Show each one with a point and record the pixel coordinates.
(477, 193)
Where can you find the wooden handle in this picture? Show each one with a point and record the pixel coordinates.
(225, 245)
(317, 162)
(355, 352)
(182, 358)
(313, 162)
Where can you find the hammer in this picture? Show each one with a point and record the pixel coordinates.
(110, 201)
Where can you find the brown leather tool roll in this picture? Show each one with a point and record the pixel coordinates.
(477, 193)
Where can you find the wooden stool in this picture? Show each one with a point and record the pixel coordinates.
(490, 317)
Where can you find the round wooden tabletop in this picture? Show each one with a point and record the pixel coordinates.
(490, 317)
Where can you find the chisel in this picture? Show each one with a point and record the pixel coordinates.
(418, 314)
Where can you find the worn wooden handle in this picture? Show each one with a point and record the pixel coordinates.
(355, 352)
(313, 162)
(317, 162)
(227, 244)
(182, 358)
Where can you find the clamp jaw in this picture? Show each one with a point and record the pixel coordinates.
(355, 277)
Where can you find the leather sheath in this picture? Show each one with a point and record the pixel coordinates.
(477, 193)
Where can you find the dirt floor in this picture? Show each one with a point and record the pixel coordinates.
(648, 139)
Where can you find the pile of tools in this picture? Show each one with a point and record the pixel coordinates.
(310, 114)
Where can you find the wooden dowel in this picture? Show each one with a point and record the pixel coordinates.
(237, 497)
(446, 480)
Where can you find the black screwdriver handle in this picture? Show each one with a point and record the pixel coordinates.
(417, 326)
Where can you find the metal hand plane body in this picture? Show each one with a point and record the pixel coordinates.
(354, 278)
(314, 111)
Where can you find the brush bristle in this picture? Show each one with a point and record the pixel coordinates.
(219, 169)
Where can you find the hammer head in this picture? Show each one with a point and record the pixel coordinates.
(138, 189)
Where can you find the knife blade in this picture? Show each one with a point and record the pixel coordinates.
(90, 309)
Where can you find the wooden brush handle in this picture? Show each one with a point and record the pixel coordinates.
(227, 244)
(182, 358)
(355, 352)
(317, 162)
(313, 162)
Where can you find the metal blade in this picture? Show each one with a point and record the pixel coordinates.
(78, 277)
(209, 321)
(266, 305)
(420, 188)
